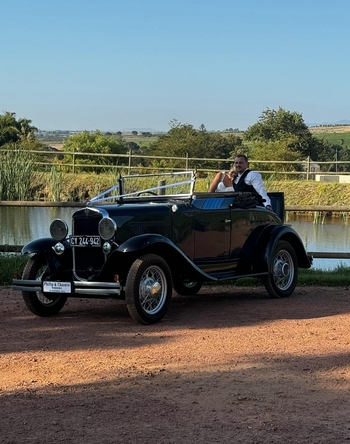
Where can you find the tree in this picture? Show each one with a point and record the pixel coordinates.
(290, 129)
(183, 140)
(95, 143)
(14, 131)
(275, 150)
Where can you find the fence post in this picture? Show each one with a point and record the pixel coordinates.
(161, 191)
(130, 158)
(73, 160)
(307, 167)
(186, 161)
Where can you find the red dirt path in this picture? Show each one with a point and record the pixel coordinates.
(225, 366)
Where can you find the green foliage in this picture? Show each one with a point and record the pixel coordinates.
(276, 125)
(272, 150)
(55, 184)
(337, 277)
(183, 140)
(9, 264)
(94, 143)
(290, 129)
(338, 149)
(15, 131)
(16, 173)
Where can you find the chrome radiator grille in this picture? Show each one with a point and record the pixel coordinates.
(86, 260)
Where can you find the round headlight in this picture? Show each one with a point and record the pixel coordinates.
(107, 228)
(58, 229)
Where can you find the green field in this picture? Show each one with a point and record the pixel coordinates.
(140, 140)
(337, 135)
(335, 138)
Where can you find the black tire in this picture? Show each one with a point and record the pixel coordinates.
(37, 302)
(187, 288)
(148, 289)
(283, 279)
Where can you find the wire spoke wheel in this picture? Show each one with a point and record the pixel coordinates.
(283, 269)
(37, 302)
(282, 280)
(153, 289)
(148, 289)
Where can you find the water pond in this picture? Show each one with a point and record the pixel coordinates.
(20, 225)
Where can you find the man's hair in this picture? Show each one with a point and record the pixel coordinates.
(243, 156)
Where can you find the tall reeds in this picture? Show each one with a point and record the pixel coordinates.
(16, 173)
(55, 184)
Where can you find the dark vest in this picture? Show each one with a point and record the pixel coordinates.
(241, 185)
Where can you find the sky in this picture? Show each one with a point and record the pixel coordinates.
(139, 64)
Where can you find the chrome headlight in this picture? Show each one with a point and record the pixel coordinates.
(58, 229)
(107, 228)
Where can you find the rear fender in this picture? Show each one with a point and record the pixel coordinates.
(263, 255)
(260, 255)
(288, 234)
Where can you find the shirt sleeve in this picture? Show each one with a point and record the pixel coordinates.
(254, 178)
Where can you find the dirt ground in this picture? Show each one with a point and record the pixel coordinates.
(225, 366)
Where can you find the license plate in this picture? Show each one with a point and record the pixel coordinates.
(85, 241)
(57, 287)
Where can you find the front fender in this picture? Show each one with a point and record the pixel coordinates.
(144, 241)
(44, 246)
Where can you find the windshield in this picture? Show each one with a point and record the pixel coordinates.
(161, 184)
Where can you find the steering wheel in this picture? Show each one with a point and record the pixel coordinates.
(145, 192)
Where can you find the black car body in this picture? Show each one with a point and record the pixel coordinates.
(149, 240)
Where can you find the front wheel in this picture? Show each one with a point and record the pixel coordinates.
(37, 302)
(281, 282)
(148, 289)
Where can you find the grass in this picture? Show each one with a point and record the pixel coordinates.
(339, 277)
(16, 173)
(68, 187)
(9, 264)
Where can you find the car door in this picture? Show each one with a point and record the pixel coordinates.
(212, 229)
(242, 224)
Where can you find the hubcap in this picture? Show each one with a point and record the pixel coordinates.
(153, 289)
(283, 270)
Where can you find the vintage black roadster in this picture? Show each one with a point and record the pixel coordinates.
(150, 234)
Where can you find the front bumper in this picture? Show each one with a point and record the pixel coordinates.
(77, 287)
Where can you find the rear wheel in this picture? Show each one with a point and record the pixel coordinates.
(281, 282)
(187, 288)
(37, 302)
(148, 289)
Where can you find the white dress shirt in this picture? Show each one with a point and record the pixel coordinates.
(254, 179)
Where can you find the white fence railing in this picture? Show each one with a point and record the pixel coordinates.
(80, 161)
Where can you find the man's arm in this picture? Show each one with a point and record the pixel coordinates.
(254, 178)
